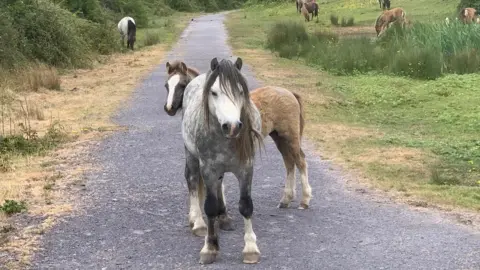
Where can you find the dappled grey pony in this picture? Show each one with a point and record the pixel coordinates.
(220, 128)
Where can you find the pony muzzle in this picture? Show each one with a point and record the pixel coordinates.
(170, 110)
(232, 130)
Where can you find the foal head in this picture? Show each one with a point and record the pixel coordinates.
(179, 75)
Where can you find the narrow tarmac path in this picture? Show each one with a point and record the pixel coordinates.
(136, 208)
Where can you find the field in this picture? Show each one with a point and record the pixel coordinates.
(414, 138)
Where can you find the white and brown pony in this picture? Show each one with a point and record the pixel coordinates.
(283, 119)
(126, 26)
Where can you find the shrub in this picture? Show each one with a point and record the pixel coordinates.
(422, 51)
(42, 76)
(350, 22)
(11, 207)
(468, 3)
(289, 39)
(47, 33)
(151, 38)
(334, 19)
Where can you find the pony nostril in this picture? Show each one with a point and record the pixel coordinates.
(239, 124)
(225, 127)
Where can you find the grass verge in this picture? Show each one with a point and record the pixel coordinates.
(415, 139)
(57, 122)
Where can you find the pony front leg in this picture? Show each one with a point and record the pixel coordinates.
(251, 253)
(195, 188)
(210, 249)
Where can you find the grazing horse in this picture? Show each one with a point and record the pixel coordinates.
(468, 15)
(282, 117)
(300, 3)
(384, 4)
(220, 128)
(127, 27)
(179, 76)
(305, 13)
(387, 17)
(312, 8)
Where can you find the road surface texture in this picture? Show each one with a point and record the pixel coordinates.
(136, 212)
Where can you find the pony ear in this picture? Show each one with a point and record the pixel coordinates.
(239, 63)
(167, 65)
(214, 64)
(184, 67)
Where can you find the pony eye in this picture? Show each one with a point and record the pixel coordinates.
(214, 94)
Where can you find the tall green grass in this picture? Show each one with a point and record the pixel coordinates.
(422, 51)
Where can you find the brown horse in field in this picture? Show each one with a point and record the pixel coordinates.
(283, 119)
(468, 15)
(389, 16)
(310, 7)
(299, 4)
(305, 13)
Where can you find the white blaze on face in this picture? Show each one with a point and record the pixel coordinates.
(224, 108)
(172, 83)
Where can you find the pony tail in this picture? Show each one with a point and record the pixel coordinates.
(302, 113)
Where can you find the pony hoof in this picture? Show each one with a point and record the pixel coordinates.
(200, 231)
(226, 224)
(251, 257)
(283, 205)
(303, 206)
(208, 257)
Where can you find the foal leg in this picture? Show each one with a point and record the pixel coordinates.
(224, 219)
(195, 188)
(289, 190)
(306, 189)
(210, 249)
(251, 253)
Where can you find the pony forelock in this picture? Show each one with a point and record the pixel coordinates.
(230, 78)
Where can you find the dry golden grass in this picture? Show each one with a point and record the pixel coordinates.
(84, 105)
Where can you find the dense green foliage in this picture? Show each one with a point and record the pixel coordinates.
(469, 3)
(69, 33)
(424, 51)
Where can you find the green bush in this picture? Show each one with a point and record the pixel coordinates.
(11, 207)
(468, 3)
(289, 38)
(151, 38)
(422, 51)
(334, 19)
(47, 33)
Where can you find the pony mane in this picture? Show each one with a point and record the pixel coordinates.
(378, 18)
(176, 67)
(229, 78)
